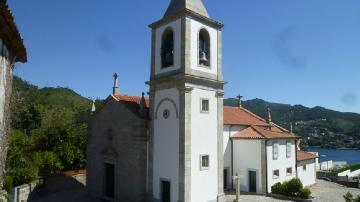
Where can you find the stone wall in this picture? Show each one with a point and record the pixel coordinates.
(5, 94)
(118, 137)
(3, 196)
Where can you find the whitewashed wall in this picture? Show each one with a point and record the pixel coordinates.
(282, 163)
(176, 27)
(228, 132)
(204, 183)
(166, 143)
(247, 157)
(195, 29)
(308, 176)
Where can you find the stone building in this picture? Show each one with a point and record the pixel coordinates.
(12, 50)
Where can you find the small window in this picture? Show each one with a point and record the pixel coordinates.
(304, 167)
(204, 162)
(288, 149)
(289, 171)
(204, 48)
(276, 174)
(167, 49)
(275, 151)
(204, 105)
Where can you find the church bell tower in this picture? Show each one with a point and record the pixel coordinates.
(186, 95)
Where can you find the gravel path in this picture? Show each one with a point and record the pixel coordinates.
(324, 191)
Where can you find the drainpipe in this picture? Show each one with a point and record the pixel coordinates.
(296, 162)
(266, 166)
(232, 158)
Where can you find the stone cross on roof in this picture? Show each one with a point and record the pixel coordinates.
(177, 6)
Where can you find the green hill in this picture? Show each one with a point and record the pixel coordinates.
(48, 131)
(317, 126)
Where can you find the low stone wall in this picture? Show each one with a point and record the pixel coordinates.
(22, 193)
(3, 196)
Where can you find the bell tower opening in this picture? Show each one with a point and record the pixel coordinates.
(204, 48)
(167, 49)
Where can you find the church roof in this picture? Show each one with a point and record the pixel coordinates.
(242, 116)
(131, 99)
(177, 6)
(303, 155)
(10, 34)
(257, 132)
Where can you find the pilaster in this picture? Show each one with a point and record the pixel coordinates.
(220, 155)
(185, 145)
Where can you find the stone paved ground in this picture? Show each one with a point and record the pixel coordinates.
(324, 191)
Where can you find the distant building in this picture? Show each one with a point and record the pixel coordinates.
(12, 50)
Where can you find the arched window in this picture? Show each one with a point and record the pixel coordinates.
(204, 47)
(167, 49)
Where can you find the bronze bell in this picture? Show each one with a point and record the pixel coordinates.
(203, 57)
(169, 57)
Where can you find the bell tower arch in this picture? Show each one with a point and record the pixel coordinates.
(186, 95)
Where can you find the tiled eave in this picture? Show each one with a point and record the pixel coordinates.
(10, 34)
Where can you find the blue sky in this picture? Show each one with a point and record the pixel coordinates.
(295, 52)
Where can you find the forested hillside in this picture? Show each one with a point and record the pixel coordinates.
(48, 132)
(318, 126)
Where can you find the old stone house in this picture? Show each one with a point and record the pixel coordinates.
(12, 50)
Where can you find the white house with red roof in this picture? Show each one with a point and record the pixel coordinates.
(261, 152)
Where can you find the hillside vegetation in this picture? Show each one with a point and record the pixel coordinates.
(317, 126)
(48, 132)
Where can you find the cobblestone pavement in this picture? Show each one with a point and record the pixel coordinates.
(324, 191)
(254, 198)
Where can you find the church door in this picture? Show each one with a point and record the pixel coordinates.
(109, 180)
(252, 181)
(226, 172)
(165, 191)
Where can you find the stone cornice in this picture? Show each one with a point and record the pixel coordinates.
(188, 13)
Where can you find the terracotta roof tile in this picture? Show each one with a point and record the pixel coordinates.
(273, 133)
(303, 155)
(10, 34)
(133, 99)
(241, 116)
(248, 133)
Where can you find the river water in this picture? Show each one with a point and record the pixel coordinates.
(351, 156)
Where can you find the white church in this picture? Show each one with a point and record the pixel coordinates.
(181, 143)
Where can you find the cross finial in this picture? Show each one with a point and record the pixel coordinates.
(269, 115)
(116, 84)
(239, 97)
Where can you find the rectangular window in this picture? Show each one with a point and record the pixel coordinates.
(275, 150)
(276, 174)
(304, 167)
(289, 171)
(288, 149)
(204, 105)
(204, 162)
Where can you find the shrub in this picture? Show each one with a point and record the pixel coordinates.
(304, 193)
(294, 186)
(8, 183)
(349, 197)
(277, 188)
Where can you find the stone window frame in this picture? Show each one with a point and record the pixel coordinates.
(202, 166)
(208, 66)
(202, 104)
(276, 176)
(289, 171)
(275, 152)
(288, 149)
(163, 34)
